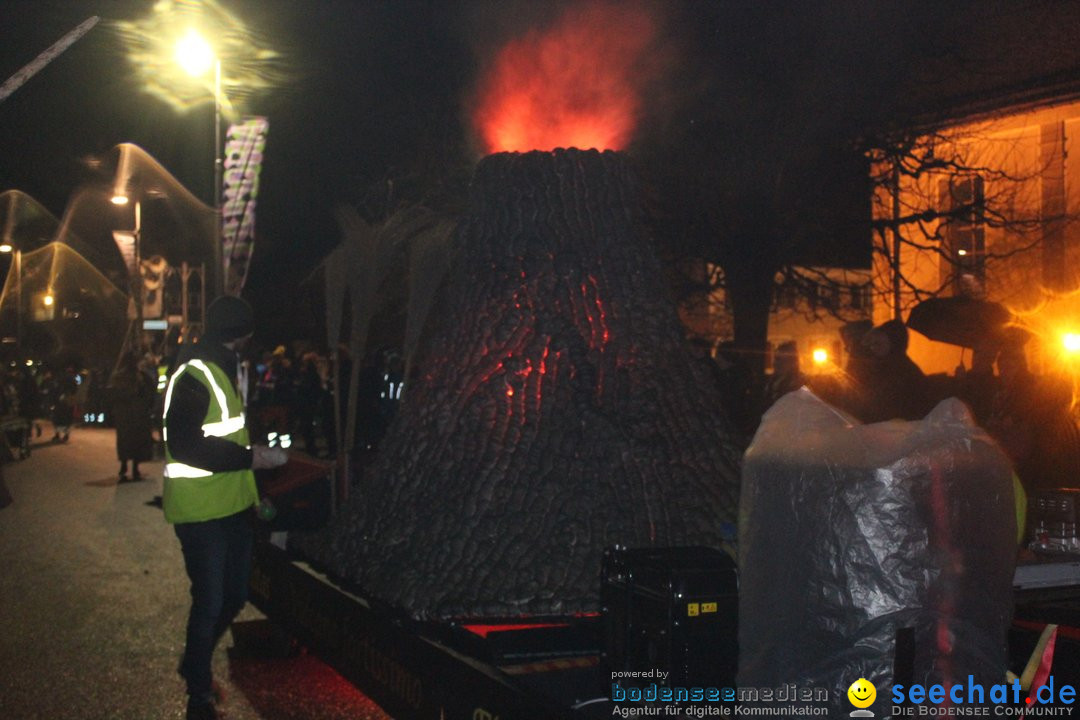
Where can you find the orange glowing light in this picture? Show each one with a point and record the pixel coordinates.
(821, 356)
(1071, 341)
(576, 84)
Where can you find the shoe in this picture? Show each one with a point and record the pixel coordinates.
(201, 711)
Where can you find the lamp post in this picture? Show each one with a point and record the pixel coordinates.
(136, 279)
(7, 247)
(196, 57)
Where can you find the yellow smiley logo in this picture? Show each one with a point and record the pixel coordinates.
(861, 693)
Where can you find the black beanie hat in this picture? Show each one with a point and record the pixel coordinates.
(229, 318)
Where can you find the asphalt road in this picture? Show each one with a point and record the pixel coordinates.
(93, 602)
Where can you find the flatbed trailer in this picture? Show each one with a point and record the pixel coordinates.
(543, 670)
(546, 669)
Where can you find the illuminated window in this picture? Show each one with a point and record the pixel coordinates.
(785, 296)
(860, 297)
(963, 201)
(832, 298)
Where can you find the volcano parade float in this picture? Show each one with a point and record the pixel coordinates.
(557, 411)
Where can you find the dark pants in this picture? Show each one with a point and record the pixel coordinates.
(217, 556)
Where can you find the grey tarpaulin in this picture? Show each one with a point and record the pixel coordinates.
(849, 532)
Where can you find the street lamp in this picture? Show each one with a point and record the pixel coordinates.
(196, 38)
(123, 237)
(7, 247)
(196, 57)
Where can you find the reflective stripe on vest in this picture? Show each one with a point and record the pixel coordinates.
(180, 470)
(226, 426)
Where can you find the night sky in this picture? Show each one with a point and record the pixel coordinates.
(371, 101)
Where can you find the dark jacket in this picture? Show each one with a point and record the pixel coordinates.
(898, 390)
(132, 396)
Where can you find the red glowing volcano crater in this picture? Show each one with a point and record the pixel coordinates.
(579, 83)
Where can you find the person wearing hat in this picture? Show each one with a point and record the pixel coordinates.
(895, 387)
(209, 488)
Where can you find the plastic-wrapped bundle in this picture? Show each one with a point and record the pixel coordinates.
(849, 532)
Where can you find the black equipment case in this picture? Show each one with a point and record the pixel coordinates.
(673, 610)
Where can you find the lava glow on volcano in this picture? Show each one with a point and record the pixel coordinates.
(577, 83)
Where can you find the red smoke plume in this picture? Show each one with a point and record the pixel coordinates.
(575, 84)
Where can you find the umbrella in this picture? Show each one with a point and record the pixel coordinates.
(959, 320)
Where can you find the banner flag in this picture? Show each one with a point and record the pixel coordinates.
(244, 146)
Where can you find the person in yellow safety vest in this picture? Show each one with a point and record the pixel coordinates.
(209, 489)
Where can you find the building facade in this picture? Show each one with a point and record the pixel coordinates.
(989, 209)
